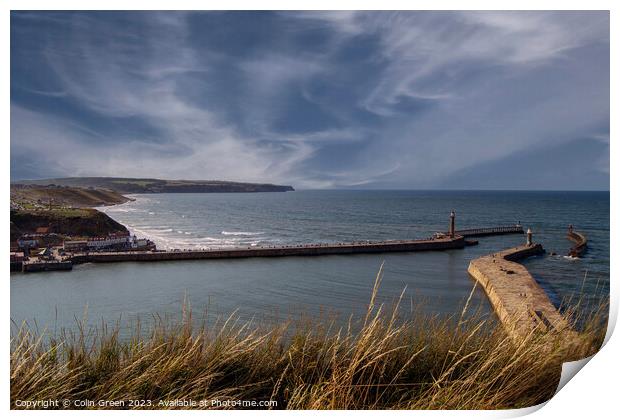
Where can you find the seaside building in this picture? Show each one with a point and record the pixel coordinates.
(110, 241)
(140, 243)
(118, 241)
(73, 246)
(27, 242)
(17, 260)
(17, 256)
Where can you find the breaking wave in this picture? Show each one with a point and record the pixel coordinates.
(226, 233)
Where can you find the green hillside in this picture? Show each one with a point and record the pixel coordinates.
(152, 185)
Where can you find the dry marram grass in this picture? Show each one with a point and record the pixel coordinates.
(382, 363)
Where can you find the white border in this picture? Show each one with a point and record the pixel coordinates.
(593, 394)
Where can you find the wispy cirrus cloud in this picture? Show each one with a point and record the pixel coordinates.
(317, 99)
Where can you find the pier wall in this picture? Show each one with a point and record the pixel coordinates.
(307, 250)
(522, 252)
(518, 300)
(47, 266)
(581, 243)
(490, 231)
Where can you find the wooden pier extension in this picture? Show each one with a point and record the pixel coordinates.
(491, 231)
(518, 300)
(437, 244)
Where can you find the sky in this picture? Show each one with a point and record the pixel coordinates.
(403, 100)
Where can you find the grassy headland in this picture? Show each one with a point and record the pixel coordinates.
(39, 196)
(383, 362)
(72, 222)
(64, 210)
(64, 205)
(152, 185)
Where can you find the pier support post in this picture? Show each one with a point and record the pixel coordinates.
(529, 237)
(452, 230)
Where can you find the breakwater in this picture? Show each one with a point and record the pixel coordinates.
(490, 231)
(436, 244)
(518, 300)
(28, 267)
(580, 240)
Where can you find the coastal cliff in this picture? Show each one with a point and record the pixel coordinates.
(152, 185)
(39, 196)
(65, 222)
(64, 205)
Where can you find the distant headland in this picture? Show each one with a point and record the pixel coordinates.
(153, 185)
(63, 207)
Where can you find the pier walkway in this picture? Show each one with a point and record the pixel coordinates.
(491, 231)
(518, 300)
(580, 240)
(435, 244)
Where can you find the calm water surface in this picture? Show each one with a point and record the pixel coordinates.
(279, 288)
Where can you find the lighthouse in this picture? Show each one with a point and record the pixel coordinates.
(451, 231)
(529, 237)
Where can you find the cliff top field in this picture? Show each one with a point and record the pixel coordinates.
(65, 211)
(40, 196)
(152, 185)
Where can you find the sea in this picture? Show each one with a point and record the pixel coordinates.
(335, 287)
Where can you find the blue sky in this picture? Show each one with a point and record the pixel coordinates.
(516, 100)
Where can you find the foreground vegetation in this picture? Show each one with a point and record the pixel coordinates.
(378, 362)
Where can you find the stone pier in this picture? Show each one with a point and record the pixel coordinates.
(518, 300)
(580, 240)
(435, 244)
